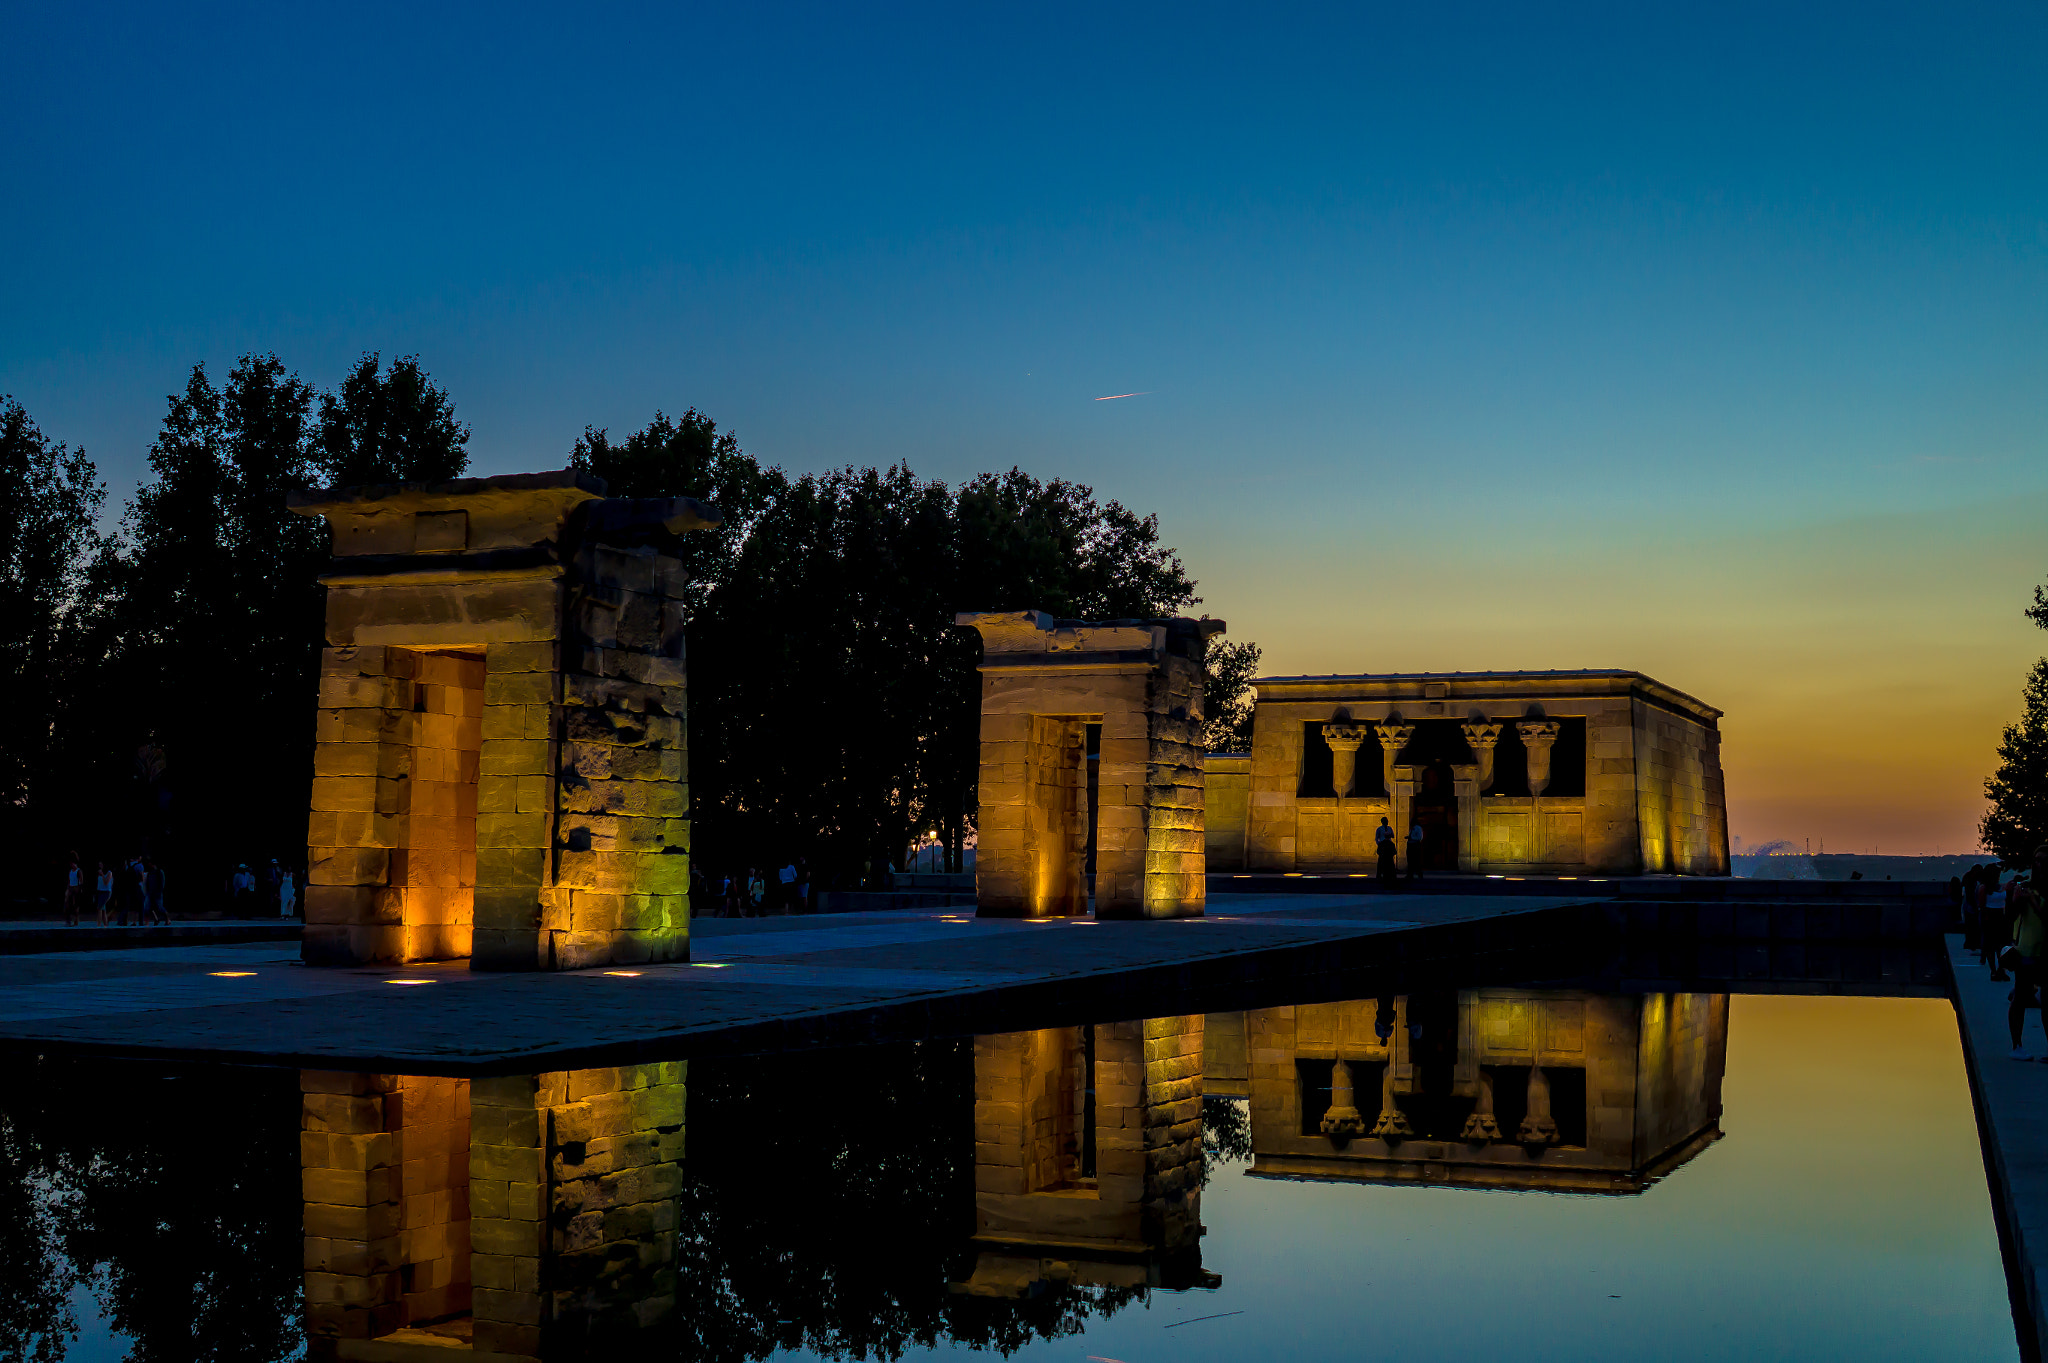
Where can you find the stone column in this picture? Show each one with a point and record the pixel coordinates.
(1480, 737)
(1343, 1120)
(1393, 736)
(1393, 1123)
(1537, 737)
(1481, 1126)
(1537, 1128)
(1345, 741)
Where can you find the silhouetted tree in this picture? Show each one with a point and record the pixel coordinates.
(389, 427)
(2017, 821)
(209, 624)
(689, 457)
(50, 497)
(1227, 695)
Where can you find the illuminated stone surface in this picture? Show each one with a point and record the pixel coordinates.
(1476, 755)
(501, 762)
(1541, 1089)
(1044, 684)
(515, 1214)
(1088, 1157)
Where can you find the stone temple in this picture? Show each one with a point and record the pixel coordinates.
(1547, 773)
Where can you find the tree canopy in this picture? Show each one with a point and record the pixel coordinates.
(167, 671)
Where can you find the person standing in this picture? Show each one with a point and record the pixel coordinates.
(74, 892)
(242, 891)
(1417, 839)
(1997, 926)
(153, 893)
(129, 893)
(786, 888)
(1386, 848)
(273, 887)
(287, 895)
(103, 893)
(2029, 936)
(757, 894)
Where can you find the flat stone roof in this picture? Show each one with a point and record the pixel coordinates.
(1533, 684)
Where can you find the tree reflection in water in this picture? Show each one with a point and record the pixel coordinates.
(827, 1205)
(171, 1192)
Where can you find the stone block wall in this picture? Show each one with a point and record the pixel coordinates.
(573, 1181)
(1605, 831)
(1043, 682)
(1226, 805)
(384, 1166)
(1146, 1193)
(392, 834)
(1680, 800)
(1651, 1081)
(524, 799)
(1682, 1053)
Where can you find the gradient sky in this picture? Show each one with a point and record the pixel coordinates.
(1704, 342)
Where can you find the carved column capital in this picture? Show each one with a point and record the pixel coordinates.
(1394, 735)
(1481, 735)
(1345, 737)
(1344, 741)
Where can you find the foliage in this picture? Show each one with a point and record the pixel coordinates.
(1227, 695)
(2017, 821)
(689, 457)
(188, 1232)
(840, 1238)
(393, 427)
(50, 497)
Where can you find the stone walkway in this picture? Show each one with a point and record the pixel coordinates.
(21, 936)
(2012, 1117)
(752, 983)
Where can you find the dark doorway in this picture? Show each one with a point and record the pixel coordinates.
(1436, 809)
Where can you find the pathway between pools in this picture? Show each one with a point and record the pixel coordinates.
(2012, 1117)
(752, 983)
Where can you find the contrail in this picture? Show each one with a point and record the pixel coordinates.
(1114, 396)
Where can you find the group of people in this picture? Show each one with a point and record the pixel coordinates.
(2006, 923)
(1387, 846)
(757, 894)
(115, 890)
(252, 897)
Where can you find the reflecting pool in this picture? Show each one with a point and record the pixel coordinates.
(1499, 1172)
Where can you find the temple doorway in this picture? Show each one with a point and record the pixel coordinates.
(1436, 809)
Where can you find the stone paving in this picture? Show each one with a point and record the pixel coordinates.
(255, 1002)
(21, 936)
(2012, 1118)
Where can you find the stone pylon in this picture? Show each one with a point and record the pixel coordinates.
(500, 769)
(1044, 684)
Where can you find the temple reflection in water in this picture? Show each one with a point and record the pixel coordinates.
(1508, 1088)
(1038, 1177)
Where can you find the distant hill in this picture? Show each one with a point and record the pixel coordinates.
(1844, 865)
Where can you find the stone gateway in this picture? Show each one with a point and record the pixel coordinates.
(500, 769)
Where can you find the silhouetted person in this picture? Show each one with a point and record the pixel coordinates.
(2029, 938)
(1416, 841)
(1385, 845)
(74, 891)
(103, 893)
(153, 892)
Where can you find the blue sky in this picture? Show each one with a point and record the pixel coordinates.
(1470, 336)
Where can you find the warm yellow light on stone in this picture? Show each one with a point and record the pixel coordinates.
(408, 981)
(624, 974)
(231, 974)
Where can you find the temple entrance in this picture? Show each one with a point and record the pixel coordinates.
(1436, 809)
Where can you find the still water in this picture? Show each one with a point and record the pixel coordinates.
(1532, 1174)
